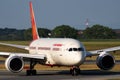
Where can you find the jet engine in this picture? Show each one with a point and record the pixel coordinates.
(105, 61)
(14, 64)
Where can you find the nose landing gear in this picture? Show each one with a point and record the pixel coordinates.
(75, 70)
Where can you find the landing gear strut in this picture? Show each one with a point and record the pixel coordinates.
(75, 70)
(31, 71)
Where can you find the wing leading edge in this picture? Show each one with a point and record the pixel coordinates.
(24, 55)
(16, 46)
(96, 52)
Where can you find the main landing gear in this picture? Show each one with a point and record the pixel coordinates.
(75, 70)
(31, 71)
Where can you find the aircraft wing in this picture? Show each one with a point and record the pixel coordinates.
(96, 52)
(24, 55)
(16, 46)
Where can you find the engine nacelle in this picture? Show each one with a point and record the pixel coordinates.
(105, 61)
(14, 64)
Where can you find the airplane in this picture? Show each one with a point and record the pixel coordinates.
(55, 52)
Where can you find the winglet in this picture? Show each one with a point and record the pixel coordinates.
(33, 23)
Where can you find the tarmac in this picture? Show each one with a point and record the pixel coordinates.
(61, 75)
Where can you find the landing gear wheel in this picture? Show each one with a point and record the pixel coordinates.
(78, 70)
(31, 72)
(75, 71)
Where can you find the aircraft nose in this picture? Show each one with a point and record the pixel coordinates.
(78, 58)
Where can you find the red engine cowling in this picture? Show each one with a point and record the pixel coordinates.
(105, 61)
(14, 64)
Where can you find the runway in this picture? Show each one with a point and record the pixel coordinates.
(61, 75)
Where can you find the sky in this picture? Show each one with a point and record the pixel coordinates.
(52, 13)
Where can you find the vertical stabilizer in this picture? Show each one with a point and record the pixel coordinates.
(33, 23)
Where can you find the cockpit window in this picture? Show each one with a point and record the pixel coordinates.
(80, 49)
(70, 49)
(75, 49)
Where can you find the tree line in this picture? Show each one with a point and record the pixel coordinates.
(63, 31)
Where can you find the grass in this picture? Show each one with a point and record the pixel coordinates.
(90, 45)
(99, 40)
(100, 45)
(13, 49)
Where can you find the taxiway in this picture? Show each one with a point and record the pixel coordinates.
(61, 75)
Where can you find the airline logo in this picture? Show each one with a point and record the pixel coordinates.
(57, 45)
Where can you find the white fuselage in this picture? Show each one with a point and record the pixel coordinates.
(58, 51)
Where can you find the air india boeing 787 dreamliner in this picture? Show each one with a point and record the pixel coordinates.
(55, 52)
